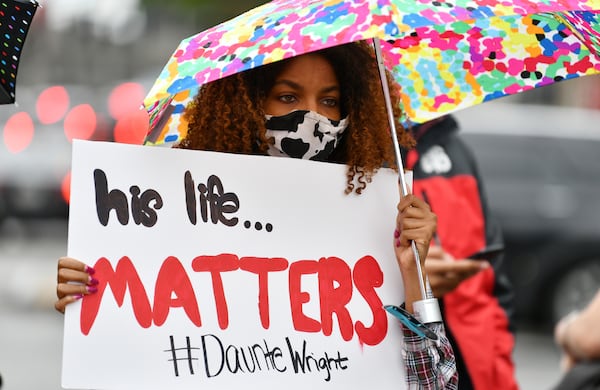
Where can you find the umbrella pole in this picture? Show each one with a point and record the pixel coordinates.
(400, 166)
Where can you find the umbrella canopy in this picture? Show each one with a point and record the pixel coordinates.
(446, 56)
(15, 19)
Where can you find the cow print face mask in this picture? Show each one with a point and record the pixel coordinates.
(304, 134)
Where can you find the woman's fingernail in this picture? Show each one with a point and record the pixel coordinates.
(397, 243)
(78, 296)
(90, 270)
(396, 233)
(92, 281)
(91, 289)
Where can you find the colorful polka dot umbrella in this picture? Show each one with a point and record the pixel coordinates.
(15, 19)
(447, 55)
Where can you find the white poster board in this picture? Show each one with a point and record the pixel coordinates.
(255, 271)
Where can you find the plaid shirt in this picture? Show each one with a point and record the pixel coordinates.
(430, 365)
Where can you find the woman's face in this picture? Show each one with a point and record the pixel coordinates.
(307, 82)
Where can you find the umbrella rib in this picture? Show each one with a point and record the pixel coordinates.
(400, 166)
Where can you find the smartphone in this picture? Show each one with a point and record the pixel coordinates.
(411, 322)
(487, 253)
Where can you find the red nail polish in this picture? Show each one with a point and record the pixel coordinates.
(396, 233)
(90, 270)
(93, 281)
(91, 289)
(78, 296)
(397, 243)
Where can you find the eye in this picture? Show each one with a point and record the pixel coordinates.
(330, 102)
(287, 98)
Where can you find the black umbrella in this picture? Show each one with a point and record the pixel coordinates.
(15, 19)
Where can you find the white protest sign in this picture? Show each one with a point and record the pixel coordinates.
(219, 270)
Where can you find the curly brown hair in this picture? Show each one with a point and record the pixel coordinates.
(227, 115)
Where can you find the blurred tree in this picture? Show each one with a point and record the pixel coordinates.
(207, 10)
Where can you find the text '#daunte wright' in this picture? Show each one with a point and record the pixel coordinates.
(212, 358)
(337, 283)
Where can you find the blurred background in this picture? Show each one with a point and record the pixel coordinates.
(86, 66)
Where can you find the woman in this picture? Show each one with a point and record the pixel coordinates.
(325, 106)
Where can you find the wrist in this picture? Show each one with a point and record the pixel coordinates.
(410, 272)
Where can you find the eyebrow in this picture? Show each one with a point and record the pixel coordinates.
(295, 85)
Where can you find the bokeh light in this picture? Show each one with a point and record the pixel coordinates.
(65, 187)
(52, 104)
(18, 132)
(132, 128)
(80, 122)
(124, 99)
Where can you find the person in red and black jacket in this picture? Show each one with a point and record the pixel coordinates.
(475, 295)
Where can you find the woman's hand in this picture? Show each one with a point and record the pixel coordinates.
(74, 280)
(415, 222)
(446, 273)
(578, 334)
